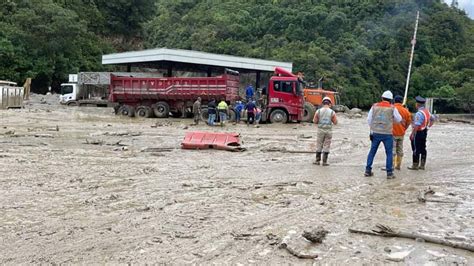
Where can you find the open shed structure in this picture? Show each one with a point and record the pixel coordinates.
(171, 60)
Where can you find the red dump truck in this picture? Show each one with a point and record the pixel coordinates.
(160, 97)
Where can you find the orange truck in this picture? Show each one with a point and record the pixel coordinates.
(313, 97)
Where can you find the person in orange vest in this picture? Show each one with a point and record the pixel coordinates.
(381, 117)
(399, 130)
(423, 120)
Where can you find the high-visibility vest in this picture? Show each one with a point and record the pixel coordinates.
(427, 119)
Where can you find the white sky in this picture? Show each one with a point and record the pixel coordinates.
(467, 5)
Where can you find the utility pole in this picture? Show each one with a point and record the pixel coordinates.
(413, 42)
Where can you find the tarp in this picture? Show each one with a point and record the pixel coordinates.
(211, 140)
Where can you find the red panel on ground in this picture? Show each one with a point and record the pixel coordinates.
(212, 140)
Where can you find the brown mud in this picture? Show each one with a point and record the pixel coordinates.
(80, 185)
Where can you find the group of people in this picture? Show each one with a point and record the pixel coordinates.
(388, 121)
(221, 110)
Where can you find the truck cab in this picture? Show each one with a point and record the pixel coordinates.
(285, 98)
(68, 93)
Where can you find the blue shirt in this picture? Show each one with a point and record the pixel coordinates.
(250, 107)
(249, 91)
(420, 117)
(239, 107)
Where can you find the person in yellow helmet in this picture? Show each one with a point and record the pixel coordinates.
(324, 117)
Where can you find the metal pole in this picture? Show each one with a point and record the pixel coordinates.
(413, 42)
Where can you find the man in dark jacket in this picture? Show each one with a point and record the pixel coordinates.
(211, 110)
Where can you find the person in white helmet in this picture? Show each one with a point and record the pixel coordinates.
(324, 117)
(381, 117)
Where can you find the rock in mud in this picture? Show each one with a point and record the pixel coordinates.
(315, 235)
(355, 111)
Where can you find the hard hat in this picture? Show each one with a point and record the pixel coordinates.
(327, 99)
(387, 95)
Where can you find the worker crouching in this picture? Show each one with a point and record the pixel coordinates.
(325, 118)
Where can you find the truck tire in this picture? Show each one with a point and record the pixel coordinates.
(278, 116)
(126, 110)
(161, 109)
(143, 111)
(73, 103)
(309, 111)
(204, 114)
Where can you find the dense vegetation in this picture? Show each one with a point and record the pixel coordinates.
(360, 47)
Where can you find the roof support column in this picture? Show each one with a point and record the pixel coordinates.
(257, 82)
(170, 70)
(129, 67)
(209, 72)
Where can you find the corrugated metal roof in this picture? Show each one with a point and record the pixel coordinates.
(193, 57)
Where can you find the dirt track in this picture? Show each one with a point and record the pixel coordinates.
(65, 201)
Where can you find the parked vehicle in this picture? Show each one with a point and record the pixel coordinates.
(11, 96)
(91, 88)
(314, 98)
(146, 97)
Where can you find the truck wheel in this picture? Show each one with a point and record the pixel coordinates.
(309, 111)
(72, 104)
(143, 111)
(126, 110)
(278, 116)
(204, 114)
(161, 109)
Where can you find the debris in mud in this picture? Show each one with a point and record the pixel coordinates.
(144, 209)
(158, 149)
(273, 239)
(423, 193)
(399, 256)
(298, 246)
(305, 136)
(242, 236)
(284, 150)
(101, 142)
(43, 136)
(315, 235)
(385, 231)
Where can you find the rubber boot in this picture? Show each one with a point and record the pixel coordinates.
(415, 164)
(423, 162)
(398, 162)
(318, 158)
(325, 158)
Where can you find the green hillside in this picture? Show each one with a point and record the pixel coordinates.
(360, 47)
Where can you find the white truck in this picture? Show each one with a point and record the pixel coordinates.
(92, 88)
(86, 89)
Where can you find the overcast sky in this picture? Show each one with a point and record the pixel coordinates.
(467, 5)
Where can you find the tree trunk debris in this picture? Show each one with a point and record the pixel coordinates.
(284, 150)
(386, 231)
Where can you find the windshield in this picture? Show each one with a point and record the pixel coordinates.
(66, 89)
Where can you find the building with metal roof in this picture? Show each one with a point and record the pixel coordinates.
(193, 57)
(193, 61)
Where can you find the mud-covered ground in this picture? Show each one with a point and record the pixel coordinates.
(79, 185)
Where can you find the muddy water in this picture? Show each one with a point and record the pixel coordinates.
(65, 201)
